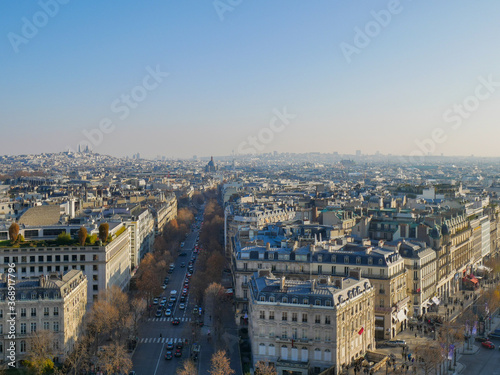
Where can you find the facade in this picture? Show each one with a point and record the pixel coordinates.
(383, 267)
(305, 327)
(420, 261)
(104, 266)
(55, 304)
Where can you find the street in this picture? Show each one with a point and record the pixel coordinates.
(156, 332)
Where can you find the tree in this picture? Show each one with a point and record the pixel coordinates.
(114, 359)
(220, 364)
(63, 238)
(188, 368)
(263, 368)
(39, 358)
(137, 308)
(13, 232)
(428, 357)
(103, 232)
(149, 278)
(82, 235)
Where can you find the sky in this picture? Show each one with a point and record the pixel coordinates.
(182, 78)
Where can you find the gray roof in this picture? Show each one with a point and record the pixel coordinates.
(41, 216)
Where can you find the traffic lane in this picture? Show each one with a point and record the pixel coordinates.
(485, 361)
(146, 357)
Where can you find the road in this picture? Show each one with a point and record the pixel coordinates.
(485, 361)
(149, 356)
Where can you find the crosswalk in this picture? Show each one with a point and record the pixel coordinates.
(160, 340)
(168, 319)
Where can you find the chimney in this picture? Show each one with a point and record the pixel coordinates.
(268, 246)
(355, 273)
(338, 282)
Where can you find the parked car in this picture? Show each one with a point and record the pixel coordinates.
(155, 301)
(488, 344)
(396, 343)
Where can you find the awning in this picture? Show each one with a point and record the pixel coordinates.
(474, 280)
(401, 315)
(436, 300)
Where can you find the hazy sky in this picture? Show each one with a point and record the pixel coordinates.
(298, 76)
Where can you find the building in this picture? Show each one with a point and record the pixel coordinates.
(304, 327)
(382, 266)
(104, 265)
(55, 303)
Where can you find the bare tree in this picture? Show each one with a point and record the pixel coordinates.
(428, 357)
(41, 352)
(188, 368)
(137, 308)
(113, 359)
(220, 364)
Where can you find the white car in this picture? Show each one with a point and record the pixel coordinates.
(155, 301)
(168, 312)
(181, 306)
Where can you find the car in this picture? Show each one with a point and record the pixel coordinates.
(481, 339)
(155, 301)
(162, 303)
(170, 304)
(396, 343)
(178, 352)
(158, 313)
(170, 345)
(168, 355)
(164, 286)
(170, 270)
(182, 244)
(494, 336)
(176, 321)
(182, 299)
(168, 312)
(181, 306)
(488, 344)
(179, 345)
(167, 279)
(183, 265)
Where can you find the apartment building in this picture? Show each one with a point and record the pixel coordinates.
(56, 304)
(383, 267)
(104, 265)
(305, 327)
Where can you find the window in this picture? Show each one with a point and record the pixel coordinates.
(382, 272)
(1, 329)
(295, 300)
(56, 345)
(305, 301)
(320, 270)
(1, 347)
(381, 302)
(317, 302)
(46, 326)
(49, 268)
(32, 259)
(40, 269)
(23, 312)
(346, 259)
(23, 328)
(262, 298)
(304, 318)
(328, 336)
(284, 332)
(6, 260)
(327, 319)
(56, 311)
(82, 258)
(358, 260)
(262, 315)
(49, 258)
(245, 266)
(74, 258)
(317, 319)
(271, 299)
(94, 267)
(23, 346)
(284, 300)
(295, 334)
(380, 261)
(66, 258)
(32, 269)
(317, 335)
(40, 258)
(56, 326)
(33, 327)
(294, 317)
(284, 316)
(259, 266)
(58, 268)
(1, 314)
(95, 287)
(33, 311)
(271, 315)
(58, 258)
(370, 260)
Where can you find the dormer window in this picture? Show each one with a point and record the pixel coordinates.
(295, 300)
(320, 258)
(284, 300)
(346, 259)
(380, 261)
(358, 260)
(334, 258)
(370, 260)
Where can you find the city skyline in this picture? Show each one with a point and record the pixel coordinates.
(398, 77)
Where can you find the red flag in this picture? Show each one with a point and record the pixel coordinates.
(361, 331)
(292, 343)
